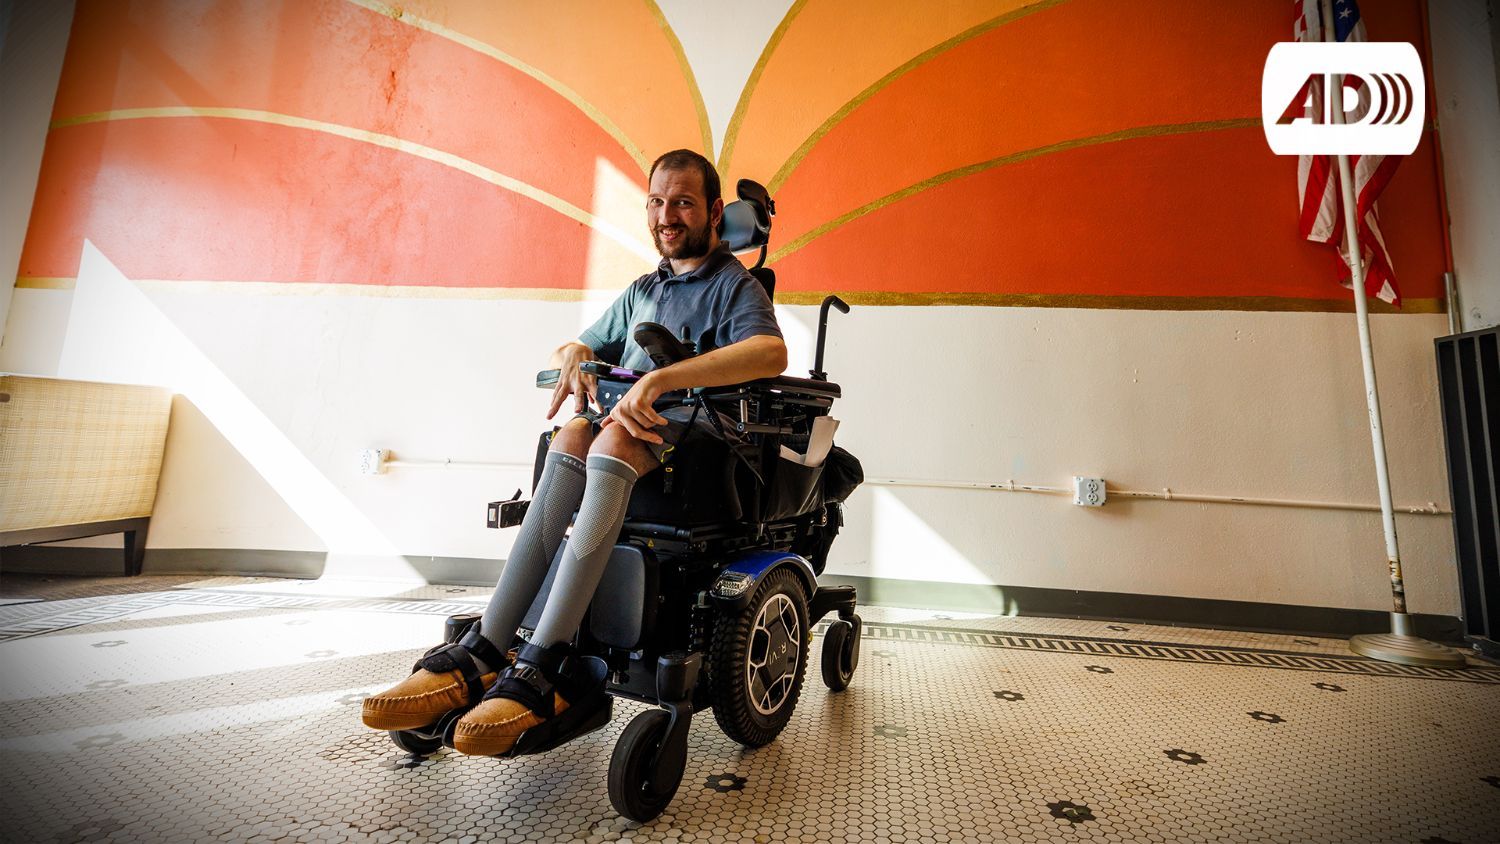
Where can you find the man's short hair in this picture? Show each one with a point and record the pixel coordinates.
(686, 159)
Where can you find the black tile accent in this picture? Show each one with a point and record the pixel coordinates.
(1186, 757)
(723, 783)
(1100, 669)
(1328, 687)
(1010, 696)
(405, 762)
(1268, 717)
(1073, 813)
(1495, 781)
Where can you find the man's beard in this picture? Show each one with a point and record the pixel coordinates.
(692, 244)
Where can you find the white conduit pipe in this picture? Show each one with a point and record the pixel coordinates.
(456, 464)
(1431, 508)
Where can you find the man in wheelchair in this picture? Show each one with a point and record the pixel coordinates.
(688, 581)
(594, 462)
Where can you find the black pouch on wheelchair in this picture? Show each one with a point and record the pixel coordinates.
(792, 490)
(842, 472)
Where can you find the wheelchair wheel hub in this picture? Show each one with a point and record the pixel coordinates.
(771, 667)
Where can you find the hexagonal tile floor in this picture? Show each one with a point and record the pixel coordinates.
(228, 709)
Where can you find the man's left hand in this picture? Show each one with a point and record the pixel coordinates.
(634, 410)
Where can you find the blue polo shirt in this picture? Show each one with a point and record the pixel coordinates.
(719, 302)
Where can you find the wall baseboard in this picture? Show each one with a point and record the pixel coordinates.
(918, 594)
(1169, 610)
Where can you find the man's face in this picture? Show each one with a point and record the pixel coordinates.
(682, 222)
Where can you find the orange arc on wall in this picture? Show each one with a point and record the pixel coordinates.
(217, 199)
(1123, 70)
(398, 115)
(619, 55)
(1078, 223)
(798, 82)
(332, 61)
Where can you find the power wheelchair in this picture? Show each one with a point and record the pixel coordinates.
(710, 595)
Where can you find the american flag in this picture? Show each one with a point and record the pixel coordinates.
(1322, 219)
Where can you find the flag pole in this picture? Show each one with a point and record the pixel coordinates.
(1401, 645)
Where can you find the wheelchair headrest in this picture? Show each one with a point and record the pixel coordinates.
(747, 221)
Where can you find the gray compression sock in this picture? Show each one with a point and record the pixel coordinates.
(599, 519)
(557, 495)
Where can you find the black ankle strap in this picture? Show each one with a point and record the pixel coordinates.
(459, 656)
(483, 648)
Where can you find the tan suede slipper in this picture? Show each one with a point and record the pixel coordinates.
(447, 677)
(419, 700)
(492, 727)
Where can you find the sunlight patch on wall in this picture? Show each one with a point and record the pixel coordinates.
(609, 268)
(115, 333)
(903, 546)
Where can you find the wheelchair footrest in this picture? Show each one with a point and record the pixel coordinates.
(586, 716)
(575, 721)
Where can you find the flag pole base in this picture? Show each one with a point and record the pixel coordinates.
(1401, 647)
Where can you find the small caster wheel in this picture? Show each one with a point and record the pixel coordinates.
(840, 654)
(632, 790)
(414, 744)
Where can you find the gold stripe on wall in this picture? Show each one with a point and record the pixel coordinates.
(920, 59)
(391, 142)
(37, 282)
(871, 298)
(397, 13)
(1012, 158)
(881, 298)
(732, 132)
(687, 74)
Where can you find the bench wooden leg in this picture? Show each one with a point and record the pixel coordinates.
(135, 548)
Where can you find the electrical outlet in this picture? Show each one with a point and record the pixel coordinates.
(372, 461)
(1088, 492)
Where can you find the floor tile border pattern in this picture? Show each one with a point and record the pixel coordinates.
(1175, 651)
(26, 620)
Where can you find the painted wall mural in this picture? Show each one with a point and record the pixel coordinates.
(1084, 153)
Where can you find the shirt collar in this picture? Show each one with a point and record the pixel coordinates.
(711, 264)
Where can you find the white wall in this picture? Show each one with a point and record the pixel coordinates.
(1245, 404)
(1468, 114)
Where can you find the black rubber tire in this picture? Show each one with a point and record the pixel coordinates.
(414, 744)
(630, 790)
(838, 655)
(729, 652)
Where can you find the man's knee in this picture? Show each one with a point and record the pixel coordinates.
(573, 438)
(617, 442)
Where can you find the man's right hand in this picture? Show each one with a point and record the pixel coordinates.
(571, 381)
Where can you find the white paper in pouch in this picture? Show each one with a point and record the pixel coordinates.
(818, 443)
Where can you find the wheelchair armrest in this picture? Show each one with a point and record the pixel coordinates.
(548, 377)
(807, 387)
